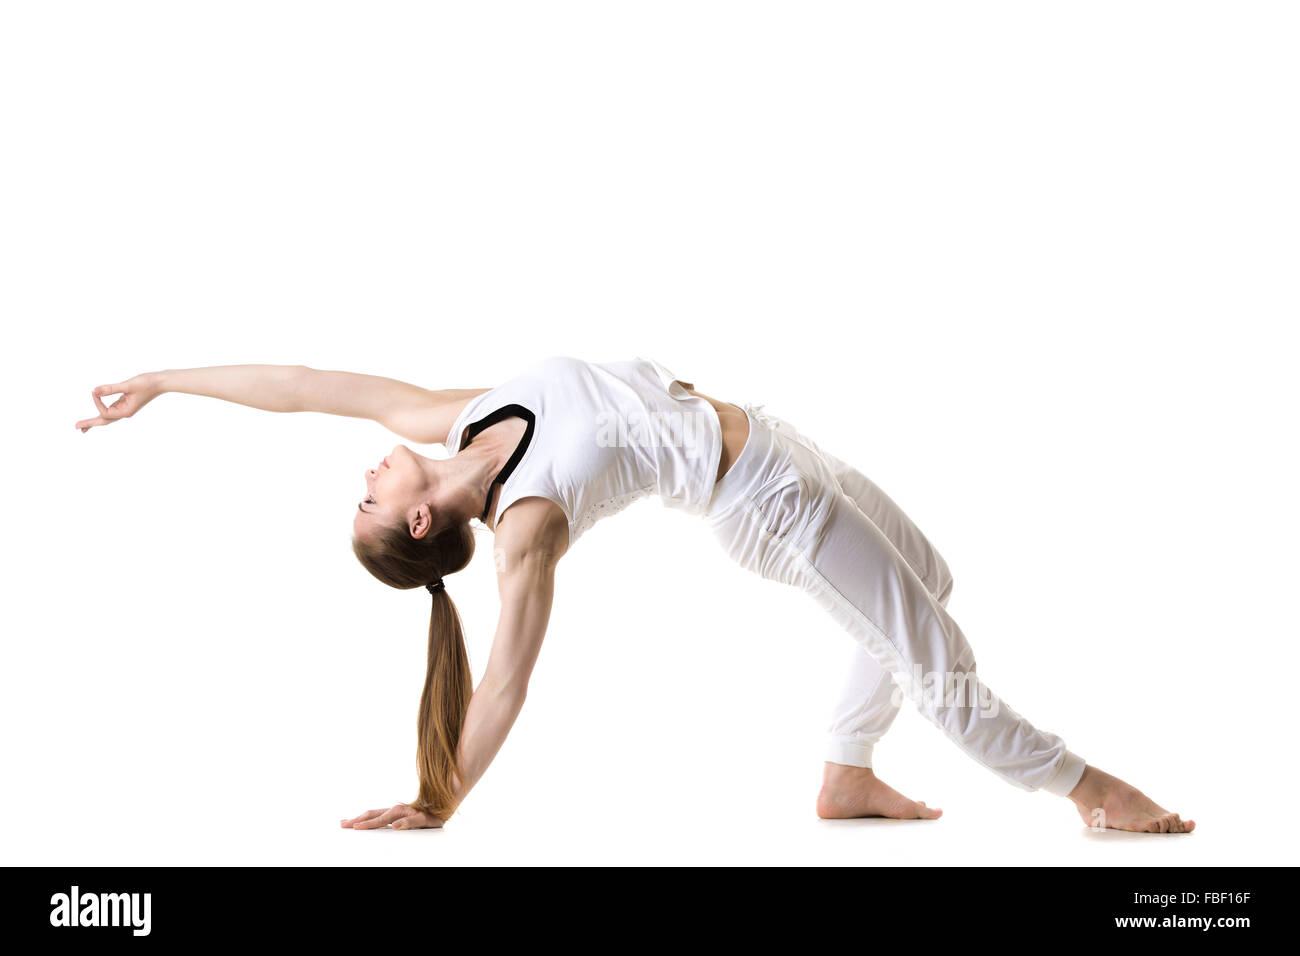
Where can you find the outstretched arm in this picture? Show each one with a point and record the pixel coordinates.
(418, 414)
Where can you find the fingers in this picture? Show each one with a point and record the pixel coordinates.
(401, 817)
(88, 423)
(118, 408)
(108, 390)
(107, 413)
(385, 818)
(95, 393)
(362, 817)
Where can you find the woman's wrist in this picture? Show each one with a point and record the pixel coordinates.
(158, 382)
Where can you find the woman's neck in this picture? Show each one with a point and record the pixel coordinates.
(472, 469)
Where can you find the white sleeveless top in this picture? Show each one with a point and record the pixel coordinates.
(600, 436)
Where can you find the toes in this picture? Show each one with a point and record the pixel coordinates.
(1170, 823)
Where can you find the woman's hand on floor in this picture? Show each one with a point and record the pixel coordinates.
(402, 817)
(136, 393)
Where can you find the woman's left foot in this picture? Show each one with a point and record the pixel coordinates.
(850, 792)
(1107, 802)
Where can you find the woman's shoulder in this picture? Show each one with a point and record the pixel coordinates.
(559, 364)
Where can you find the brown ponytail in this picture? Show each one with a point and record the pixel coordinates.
(402, 561)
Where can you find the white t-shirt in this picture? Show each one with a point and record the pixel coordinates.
(600, 436)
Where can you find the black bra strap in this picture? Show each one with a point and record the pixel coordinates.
(511, 410)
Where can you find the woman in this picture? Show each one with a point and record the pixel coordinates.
(542, 457)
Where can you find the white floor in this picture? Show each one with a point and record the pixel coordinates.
(984, 823)
(1039, 835)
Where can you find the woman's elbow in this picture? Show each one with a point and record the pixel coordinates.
(508, 690)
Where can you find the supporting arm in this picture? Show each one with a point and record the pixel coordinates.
(527, 586)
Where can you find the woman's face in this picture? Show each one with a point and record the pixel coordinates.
(396, 492)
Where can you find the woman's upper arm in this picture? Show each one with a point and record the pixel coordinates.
(526, 582)
(425, 416)
(419, 414)
(529, 541)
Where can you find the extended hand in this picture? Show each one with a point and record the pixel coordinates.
(136, 393)
(402, 817)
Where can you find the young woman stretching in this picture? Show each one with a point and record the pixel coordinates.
(543, 456)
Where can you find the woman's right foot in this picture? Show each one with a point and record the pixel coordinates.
(1105, 801)
(850, 792)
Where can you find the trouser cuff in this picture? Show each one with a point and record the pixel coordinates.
(1067, 775)
(851, 751)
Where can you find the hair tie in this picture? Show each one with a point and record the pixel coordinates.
(436, 586)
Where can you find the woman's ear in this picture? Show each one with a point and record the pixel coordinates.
(422, 521)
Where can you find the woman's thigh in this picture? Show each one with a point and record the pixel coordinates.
(921, 555)
(794, 523)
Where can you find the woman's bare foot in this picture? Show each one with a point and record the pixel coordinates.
(1107, 801)
(849, 792)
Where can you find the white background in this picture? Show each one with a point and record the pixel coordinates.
(1030, 266)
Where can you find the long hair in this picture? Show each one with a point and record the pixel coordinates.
(402, 561)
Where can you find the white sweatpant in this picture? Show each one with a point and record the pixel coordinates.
(792, 512)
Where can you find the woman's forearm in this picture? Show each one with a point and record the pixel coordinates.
(491, 714)
(272, 388)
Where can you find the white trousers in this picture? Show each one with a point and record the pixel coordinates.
(792, 512)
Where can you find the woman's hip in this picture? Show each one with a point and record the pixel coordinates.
(772, 497)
